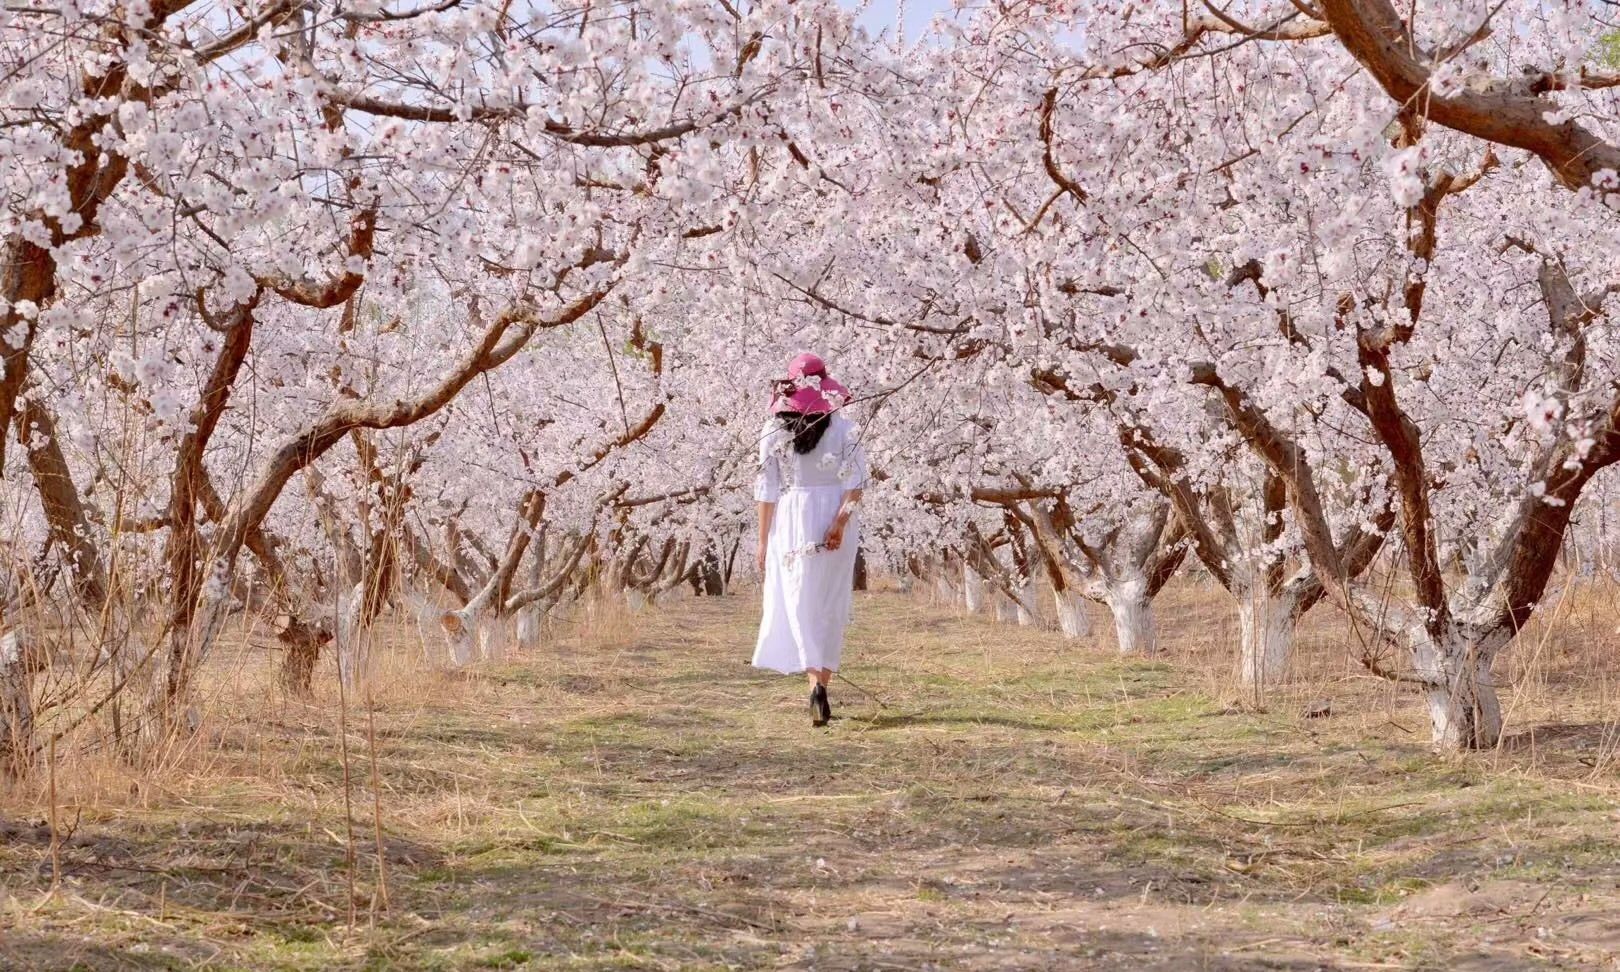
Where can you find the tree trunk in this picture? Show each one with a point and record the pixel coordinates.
(353, 636)
(528, 630)
(1073, 620)
(59, 497)
(531, 617)
(16, 708)
(731, 562)
(861, 581)
(1024, 604)
(473, 635)
(196, 619)
(1464, 712)
(972, 589)
(303, 651)
(492, 637)
(461, 634)
(1132, 608)
(1266, 622)
(707, 579)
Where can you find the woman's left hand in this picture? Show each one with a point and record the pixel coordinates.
(835, 535)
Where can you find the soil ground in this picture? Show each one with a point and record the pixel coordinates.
(990, 798)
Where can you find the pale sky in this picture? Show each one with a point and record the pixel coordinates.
(881, 15)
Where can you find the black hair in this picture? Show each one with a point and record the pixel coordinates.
(807, 428)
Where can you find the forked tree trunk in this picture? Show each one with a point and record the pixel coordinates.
(1129, 566)
(984, 570)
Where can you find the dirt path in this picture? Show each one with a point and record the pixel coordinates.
(647, 801)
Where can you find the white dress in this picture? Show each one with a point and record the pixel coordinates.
(807, 591)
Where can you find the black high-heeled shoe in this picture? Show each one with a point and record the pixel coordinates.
(820, 711)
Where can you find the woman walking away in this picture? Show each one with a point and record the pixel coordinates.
(811, 472)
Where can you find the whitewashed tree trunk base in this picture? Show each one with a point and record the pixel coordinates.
(429, 624)
(353, 639)
(972, 590)
(1132, 609)
(492, 639)
(460, 633)
(1266, 643)
(529, 629)
(1027, 613)
(16, 708)
(1073, 620)
(1466, 713)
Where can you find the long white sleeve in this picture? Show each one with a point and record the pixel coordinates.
(768, 484)
(853, 469)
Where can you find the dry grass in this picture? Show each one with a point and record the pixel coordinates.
(636, 797)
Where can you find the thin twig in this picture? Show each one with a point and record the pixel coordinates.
(871, 695)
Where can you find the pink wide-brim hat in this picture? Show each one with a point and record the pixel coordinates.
(810, 398)
(806, 365)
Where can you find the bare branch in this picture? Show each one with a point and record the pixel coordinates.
(520, 113)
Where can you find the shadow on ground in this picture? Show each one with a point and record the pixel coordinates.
(1021, 803)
